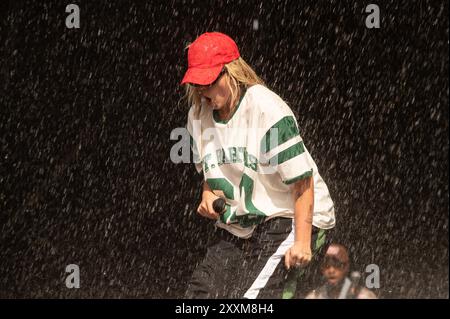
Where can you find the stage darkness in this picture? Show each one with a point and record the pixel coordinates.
(86, 116)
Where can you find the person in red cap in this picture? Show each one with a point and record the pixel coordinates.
(335, 268)
(246, 142)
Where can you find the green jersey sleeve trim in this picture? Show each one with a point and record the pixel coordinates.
(300, 177)
(287, 154)
(279, 133)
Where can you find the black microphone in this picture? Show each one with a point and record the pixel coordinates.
(219, 206)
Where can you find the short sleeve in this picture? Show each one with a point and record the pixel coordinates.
(282, 147)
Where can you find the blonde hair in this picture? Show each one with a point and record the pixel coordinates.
(239, 76)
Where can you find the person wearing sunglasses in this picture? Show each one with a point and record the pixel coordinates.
(335, 269)
(246, 143)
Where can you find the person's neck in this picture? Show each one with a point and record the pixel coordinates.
(227, 112)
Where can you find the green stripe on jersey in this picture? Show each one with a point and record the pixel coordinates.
(284, 128)
(223, 185)
(297, 178)
(228, 216)
(247, 185)
(287, 154)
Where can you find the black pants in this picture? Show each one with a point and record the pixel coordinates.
(252, 268)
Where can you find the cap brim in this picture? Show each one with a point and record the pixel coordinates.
(201, 76)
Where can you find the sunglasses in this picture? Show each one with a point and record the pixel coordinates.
(333, 262)
(212, 83)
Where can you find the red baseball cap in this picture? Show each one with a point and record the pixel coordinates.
(207, 55)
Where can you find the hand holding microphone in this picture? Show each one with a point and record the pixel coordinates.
(219, 206)
(211, 207)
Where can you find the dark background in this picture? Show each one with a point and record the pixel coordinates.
(86, 115)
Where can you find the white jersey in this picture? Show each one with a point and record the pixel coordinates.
(252, 159)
